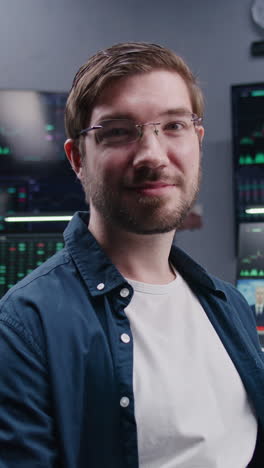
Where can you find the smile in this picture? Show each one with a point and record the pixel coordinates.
(159, 188)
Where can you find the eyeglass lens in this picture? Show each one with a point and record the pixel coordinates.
(123, 131)
(117, 131)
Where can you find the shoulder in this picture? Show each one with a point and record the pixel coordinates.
(232, 294)
(31, 283)
(237, 304)
(23, 306)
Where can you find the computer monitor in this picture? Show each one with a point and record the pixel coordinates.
(248, 149)
(251, 251)
(20, 254)
(250, 270)
(32, 133)
(35, 175)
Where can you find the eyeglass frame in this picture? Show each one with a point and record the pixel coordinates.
(194, 118)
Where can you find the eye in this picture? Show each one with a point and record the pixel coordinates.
(115, 132)
(175, 126)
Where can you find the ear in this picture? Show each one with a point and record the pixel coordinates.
(74, 157)
(200, 133)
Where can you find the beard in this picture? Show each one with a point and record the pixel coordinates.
(142, 214)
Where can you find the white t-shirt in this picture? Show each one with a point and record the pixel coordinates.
(191, 407)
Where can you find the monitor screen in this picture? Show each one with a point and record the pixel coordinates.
(250, 270)
(251, 251)
(20, 254)
(248, 150)
(35, 175)
(253, 291)
(32, 132)
(248, 124)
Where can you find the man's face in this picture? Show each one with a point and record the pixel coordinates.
(149, 185)
(260, 295)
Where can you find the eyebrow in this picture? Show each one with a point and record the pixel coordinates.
(177, 111)
(116, 116)
(130, 116)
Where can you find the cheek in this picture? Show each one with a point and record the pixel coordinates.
(187, 157)
(107, 172)
(112, 165)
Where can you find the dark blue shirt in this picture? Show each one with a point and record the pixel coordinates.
(65, 368)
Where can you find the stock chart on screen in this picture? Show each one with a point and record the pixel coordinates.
(248, 150)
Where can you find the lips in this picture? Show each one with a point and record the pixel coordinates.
(154, 189)
(153, 185)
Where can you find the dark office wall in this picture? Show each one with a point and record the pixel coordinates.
(43, 42)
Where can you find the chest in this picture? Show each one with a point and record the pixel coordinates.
(188, 394)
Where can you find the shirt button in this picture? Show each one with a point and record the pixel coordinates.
(125, 338)
(100, 286)
(124, 292)
(124, 402)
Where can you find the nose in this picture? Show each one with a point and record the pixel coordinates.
(150, 150)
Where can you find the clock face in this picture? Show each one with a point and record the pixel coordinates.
(257, 10)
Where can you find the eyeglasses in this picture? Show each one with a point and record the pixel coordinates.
(118, 132)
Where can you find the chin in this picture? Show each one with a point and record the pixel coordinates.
(150, 223)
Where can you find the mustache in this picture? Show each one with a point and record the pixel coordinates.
(148, 174)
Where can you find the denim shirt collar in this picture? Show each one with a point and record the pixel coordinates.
(101, 275)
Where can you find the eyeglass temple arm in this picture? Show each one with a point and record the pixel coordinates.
(86, 130)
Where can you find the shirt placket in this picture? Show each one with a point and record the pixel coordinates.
(123, 363)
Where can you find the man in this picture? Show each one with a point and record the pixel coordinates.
(121, 351)
(258, 307)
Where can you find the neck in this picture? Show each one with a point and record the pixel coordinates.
(143, 258)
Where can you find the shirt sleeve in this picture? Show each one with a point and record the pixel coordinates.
(27, 434)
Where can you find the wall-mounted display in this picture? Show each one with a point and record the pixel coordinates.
(35, 175)
(250, 270)
(248, 151)
(20, 254)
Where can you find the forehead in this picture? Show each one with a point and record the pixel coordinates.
(142, 96)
